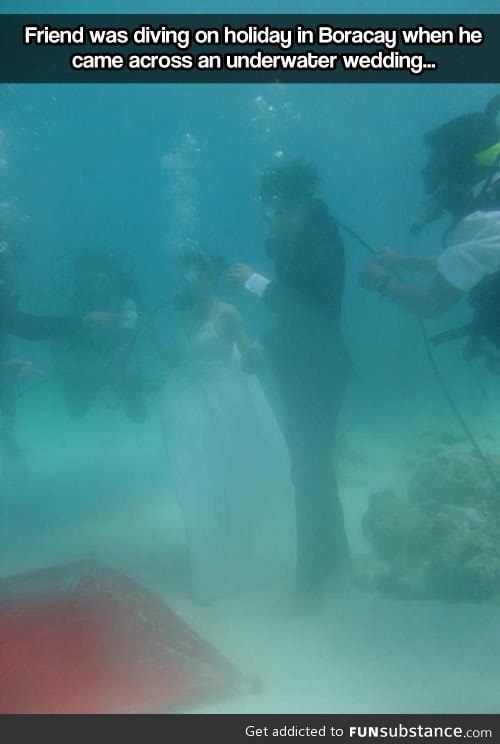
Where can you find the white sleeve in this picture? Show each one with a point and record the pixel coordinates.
(473, 251)
(257, 284)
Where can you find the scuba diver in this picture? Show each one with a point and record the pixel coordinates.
(461, 177)
(97, 355)
(310, 362)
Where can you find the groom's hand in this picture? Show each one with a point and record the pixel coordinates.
(239, 274)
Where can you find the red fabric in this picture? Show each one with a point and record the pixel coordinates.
(84, 639)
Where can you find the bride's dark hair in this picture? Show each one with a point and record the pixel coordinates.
(206, 263)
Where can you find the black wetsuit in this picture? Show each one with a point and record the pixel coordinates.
(36, 327)
(95, 358)
(311, 364)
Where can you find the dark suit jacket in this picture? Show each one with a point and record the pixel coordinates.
(306, 296)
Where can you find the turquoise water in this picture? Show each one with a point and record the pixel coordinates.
(138, 169)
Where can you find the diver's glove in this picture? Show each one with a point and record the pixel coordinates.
(374, 278)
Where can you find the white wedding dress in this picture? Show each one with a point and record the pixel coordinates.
(229, 468)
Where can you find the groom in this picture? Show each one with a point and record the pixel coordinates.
(310, 362)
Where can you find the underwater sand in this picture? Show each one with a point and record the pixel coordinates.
(97, 487)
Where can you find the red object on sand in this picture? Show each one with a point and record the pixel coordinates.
(81, 638)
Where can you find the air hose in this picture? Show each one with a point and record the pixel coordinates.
(437, 372)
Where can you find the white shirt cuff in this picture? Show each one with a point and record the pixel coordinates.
(257, 284)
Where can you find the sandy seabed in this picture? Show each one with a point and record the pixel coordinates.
(97, 487)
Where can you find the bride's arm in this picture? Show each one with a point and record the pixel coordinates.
(233, 328)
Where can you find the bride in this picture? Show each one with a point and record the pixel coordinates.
(226, 456)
